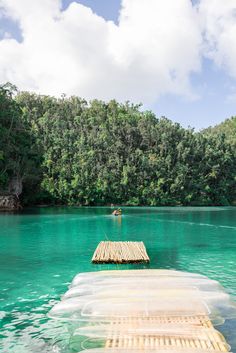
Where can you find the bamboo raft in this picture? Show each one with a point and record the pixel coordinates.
(120, 252)
(201, 336)
(168, 342)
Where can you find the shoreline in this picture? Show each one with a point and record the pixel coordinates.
(26, 208)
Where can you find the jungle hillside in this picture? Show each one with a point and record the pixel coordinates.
(69, 151)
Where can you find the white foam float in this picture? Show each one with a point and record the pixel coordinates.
(145, 302)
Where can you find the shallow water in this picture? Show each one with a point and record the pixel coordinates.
(42, 249)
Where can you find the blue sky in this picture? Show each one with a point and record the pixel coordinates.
(213, 106)
(211, 79)
(109, 9)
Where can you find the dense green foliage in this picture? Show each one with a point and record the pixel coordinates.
(228, 128)
(100, 153)
(18, 153)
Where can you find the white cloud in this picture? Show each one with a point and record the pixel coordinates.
(157, 45)
(218, 21)
(152, 51)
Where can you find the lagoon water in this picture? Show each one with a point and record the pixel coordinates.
(42, 249)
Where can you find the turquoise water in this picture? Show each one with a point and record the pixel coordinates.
(41, 250)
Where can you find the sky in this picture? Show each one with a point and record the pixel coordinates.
(178, 58)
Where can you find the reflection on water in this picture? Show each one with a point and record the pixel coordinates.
(42, 249)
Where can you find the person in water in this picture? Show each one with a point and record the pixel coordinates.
(117, 212)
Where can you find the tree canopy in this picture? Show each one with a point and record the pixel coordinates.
(228, 128)
(79, 153)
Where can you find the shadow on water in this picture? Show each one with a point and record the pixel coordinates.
(201, 246)
(166, 258)
(226, 330)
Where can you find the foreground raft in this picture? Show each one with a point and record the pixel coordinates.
(146, 311)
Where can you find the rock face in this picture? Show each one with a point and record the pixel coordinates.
(9, 203)
(15, 186)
